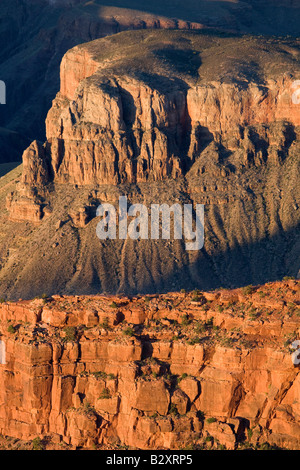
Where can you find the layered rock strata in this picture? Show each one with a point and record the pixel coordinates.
(118, 121)
(109, 127)
(201, 370)
(160, 117)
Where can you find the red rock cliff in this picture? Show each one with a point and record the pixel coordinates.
(119, 118)
(208, 369)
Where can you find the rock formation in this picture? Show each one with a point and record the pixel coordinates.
(48, 30)
(200, 370)
(35, 35)
(119, 124)
(169, 117)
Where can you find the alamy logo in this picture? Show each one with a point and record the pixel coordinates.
(2, 92)
(2, 352)
(186, 224)
(296, 354)
(296, 94)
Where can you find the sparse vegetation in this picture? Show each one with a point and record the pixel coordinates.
(194, 340)
(70, 334)
(183, 376)
(128, 331)
(248, 290)
(105, 324)
(185, 320)
(173, 410)
(105, 394)
(37, 444)
(196, 296)
(211, 420)
(88, 409)
(289, 339)
(11, 329)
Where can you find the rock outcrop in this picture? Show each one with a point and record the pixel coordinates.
(119, 124)
(160, 117)
(201, 370)
(49, 29)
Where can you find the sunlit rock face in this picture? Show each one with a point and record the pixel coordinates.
(169, 117)
(153, 372)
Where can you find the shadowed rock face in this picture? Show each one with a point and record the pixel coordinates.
(117, 121)
(144, 124)
(35, 34)
(33, 39)
(155, 372)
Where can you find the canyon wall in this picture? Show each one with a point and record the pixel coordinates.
(106, 128)
(36, 34)
(160, 117)
(200, 370)
(48, 30)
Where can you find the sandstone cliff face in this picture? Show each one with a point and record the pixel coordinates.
(49, 29)
(170, 371)
(112, 123)
(118, 129)
(160, 117)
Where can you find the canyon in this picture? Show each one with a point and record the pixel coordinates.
(115, 122)
(35, 34)
(196, 370)
(143, 344)
(168, 117)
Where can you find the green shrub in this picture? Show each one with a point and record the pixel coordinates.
(70, 334)
(262, 294)
(173, 410)
(202, 326)
(100, 375)
(226, 342)
(211, 420)
(194, 341)
(105, 394)
(247, 290)
(185, 321)
(253, 316)
(11, 329)
(37, 444)
(105, 324)
(128, 331)
(88, 409)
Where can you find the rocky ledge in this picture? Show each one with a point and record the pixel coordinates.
(160, 117)
(146, 106)
(180, 370)
(147, 111)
